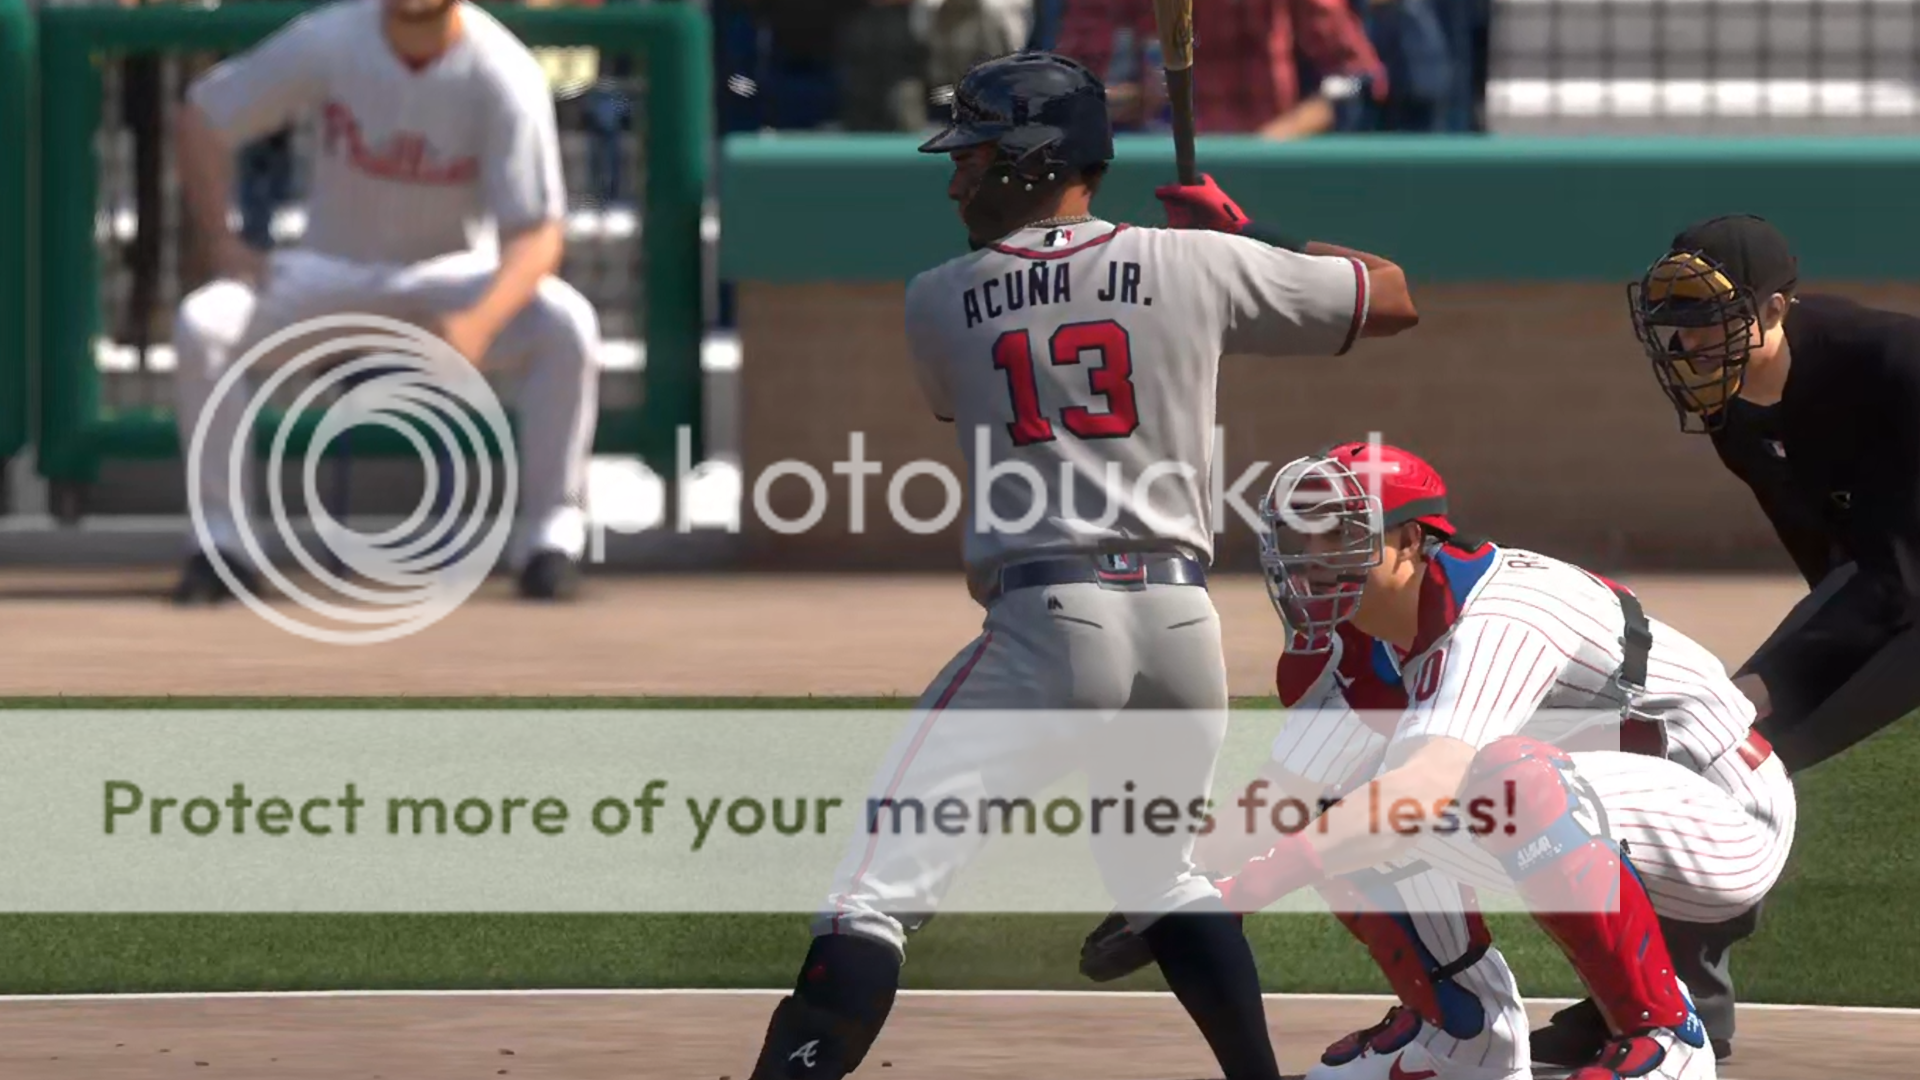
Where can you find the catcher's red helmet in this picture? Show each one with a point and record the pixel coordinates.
(1409, 488)
(1325, 518)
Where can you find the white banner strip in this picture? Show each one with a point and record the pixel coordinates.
(674, 811)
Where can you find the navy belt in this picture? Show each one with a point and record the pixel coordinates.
(1112, 571)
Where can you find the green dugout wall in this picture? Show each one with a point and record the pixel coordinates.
(1523, 382)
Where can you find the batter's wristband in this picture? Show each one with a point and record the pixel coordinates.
(1272, 237)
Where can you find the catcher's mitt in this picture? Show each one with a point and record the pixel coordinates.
(1113, 950)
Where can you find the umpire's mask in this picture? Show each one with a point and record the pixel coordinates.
(1697, 327)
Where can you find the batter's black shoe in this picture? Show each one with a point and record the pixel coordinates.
(1575, 1035)
(200, 583)
(550, 575)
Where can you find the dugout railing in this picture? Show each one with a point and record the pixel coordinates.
(78, 429)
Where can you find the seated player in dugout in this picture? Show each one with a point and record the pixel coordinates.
(437, 199)
(1813, 401)
(1424, 665)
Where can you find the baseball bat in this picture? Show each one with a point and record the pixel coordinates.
(1174, 19)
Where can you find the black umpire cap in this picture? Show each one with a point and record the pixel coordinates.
(1752, 254)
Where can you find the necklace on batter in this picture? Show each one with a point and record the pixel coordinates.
(1068, 219)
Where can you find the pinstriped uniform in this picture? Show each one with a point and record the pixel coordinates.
(1326, 744)
(1706, 827)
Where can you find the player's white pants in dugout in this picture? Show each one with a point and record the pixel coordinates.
(553, 344)
(1093, 656)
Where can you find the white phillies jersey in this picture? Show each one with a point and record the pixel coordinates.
(1504, 634)
(1090, 354)
(410, 164)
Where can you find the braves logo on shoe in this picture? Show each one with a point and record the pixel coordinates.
(805, 1054)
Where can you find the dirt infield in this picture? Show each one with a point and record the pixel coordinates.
(97, 633)
(714, 1037)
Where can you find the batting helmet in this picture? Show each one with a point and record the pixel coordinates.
(1045, 112)
(1696, 307)
(1325, 519)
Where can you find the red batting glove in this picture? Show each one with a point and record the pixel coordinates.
(1377, 81)
(1287, 867)
(1200, 206)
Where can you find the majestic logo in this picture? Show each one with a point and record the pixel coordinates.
(405, 156)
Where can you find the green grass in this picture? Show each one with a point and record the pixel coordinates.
(1838, 929)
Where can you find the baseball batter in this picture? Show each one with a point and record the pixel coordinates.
(436, 198)
(1077, 359)
(1422, 661)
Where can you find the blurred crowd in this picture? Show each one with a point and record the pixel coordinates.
(1277, 68)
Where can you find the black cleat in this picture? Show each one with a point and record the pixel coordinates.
(201, 583)
(549, 575)
(1576, 1034)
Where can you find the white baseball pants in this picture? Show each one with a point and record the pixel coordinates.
(552, 344)
(1087, 655)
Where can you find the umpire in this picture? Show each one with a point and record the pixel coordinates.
(1814, 402)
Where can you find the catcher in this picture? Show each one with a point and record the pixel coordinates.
(1421, 666)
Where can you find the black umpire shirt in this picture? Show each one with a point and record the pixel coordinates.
(1835, 466)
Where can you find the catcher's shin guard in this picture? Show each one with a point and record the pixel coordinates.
(823, 1030)
(1578, 885)
(1419, 979)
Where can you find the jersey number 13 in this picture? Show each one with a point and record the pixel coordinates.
(1111, 377)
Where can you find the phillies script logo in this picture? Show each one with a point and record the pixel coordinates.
(404, 156)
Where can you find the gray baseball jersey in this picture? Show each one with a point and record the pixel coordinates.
(1080, 365)
(411, 164)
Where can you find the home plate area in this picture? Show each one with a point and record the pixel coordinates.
(713, 1035)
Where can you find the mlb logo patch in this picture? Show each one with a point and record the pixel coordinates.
(1056, 237)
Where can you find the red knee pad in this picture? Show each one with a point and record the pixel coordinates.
(1578, 886)
(1524, 786)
